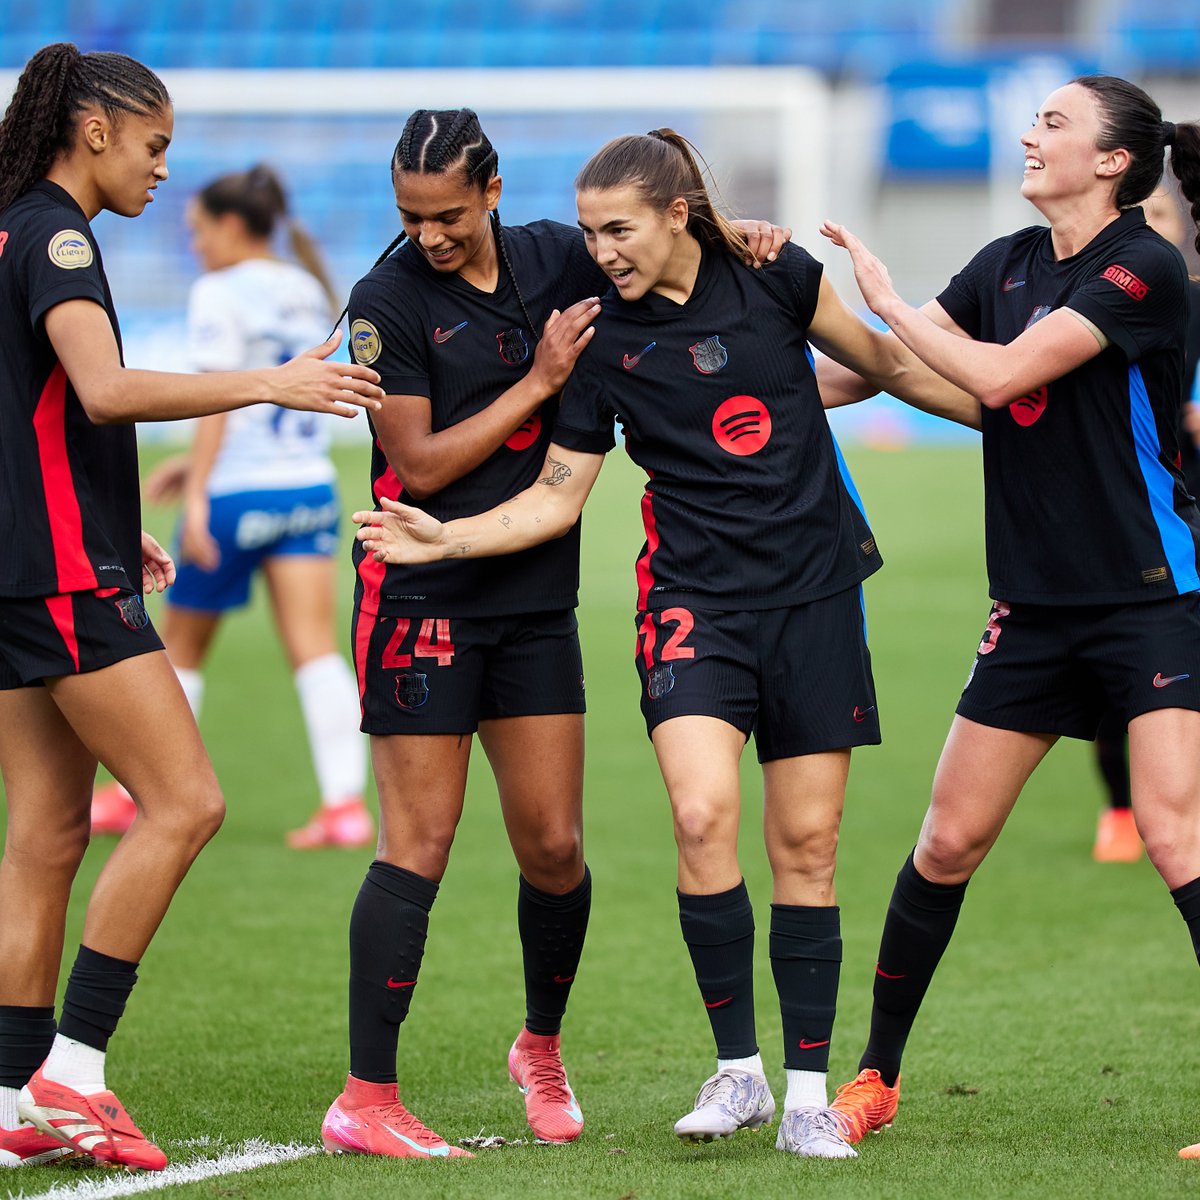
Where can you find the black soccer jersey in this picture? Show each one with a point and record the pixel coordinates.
(1085, 502)
(436, 335)
(69, 509)
(748, 504)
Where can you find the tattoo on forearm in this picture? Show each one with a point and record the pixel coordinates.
(460, 551)
(505, 520)
(558, 473)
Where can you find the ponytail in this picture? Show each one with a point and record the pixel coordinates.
(56, 84)
(662, 166)
(1185, 164)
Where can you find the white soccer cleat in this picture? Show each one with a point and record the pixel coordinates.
(730, 1100)
(813, 1133)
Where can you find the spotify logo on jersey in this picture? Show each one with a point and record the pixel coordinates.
(742, 425)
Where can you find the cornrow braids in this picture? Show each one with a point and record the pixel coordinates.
(435, 141)
(56, 84)
(503, 247)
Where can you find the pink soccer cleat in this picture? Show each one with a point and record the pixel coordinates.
(113, 809)
(97, 1125)
(536, 1066)
(26, 1146)
(368, 1118)
(347, 825)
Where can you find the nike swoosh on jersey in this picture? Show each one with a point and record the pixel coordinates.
(1011, 284)
(631, 360)
(444, 335)
(1162, 681)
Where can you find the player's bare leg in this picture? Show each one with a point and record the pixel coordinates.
(538, 764)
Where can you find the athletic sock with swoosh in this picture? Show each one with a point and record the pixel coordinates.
(552, 930)
(806, 960)
(920, 921)
(719, 932)
(387, 941)
(1187, 900)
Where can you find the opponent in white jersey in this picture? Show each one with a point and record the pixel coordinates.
(258, 493)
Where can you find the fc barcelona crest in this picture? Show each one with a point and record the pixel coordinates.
(660, 681)
(133, 612)
(709, 355)
(411, 689)
(514, 349)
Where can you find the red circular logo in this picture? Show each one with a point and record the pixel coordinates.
(1028, 409)
(527, 434)
(742, 425)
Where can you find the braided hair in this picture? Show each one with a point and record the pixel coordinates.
(662, 166)
(257, 196)
(56, 84)
(438, 141)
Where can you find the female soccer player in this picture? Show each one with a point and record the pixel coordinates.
(82, 672)
(1071, 338)
(750, 611)
(259, 493)
(452, 321)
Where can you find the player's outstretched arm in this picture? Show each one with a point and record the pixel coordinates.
(995, 375)
(428, 459)
(111, 393)
(546, 509)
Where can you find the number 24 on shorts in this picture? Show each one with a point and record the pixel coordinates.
(432, 641)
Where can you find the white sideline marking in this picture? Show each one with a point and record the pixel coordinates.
(245, 1157)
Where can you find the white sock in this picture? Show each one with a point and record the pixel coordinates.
(329, 700)
(193, 688)
(806, 1089)
(753, 1064)
(9, 1119)
(78, 1066)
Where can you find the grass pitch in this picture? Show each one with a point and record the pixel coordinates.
(1055, 1055)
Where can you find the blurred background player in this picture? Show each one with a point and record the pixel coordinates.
(82, 673)
(1117, 837)
(704, 362)
(259, 494)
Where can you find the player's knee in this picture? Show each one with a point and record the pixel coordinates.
(50, 850)
(554, 861)
(699, 821)
(810, 852)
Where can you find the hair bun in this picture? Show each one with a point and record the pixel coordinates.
(1168, 133)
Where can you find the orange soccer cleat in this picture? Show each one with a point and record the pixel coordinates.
(1117, 837)
(866, 1105)
(26, 1146)
(368, 1118)
(347, 825)
(96, 1125)
(536, 1066)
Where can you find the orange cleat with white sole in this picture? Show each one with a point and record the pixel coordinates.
(113, 809)
(348, 825)
(1117, 837)
(1190, 1151)
(536, 1066)
(26, 1146)
(866, 1105)
(368, 1118)
(96, 1125)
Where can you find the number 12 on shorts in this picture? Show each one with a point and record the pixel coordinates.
(433, 640)
(651, 628)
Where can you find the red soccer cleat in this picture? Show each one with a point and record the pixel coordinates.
(536, 1067)
(347, 825)
(368, 1118)
(866, 1105)
(96, 1125)
(1117, 837)
(113, 809)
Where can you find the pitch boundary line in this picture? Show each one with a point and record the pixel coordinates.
(247, 1157)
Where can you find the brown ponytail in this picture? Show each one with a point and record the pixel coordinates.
(662, 166)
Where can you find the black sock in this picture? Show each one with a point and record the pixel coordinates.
(387, 940)
(920, 919)
(719, 932)
(26, 1035)
(97, 990)
(806, 960)
(552, 930)
(1112, 758)
(1187, 900)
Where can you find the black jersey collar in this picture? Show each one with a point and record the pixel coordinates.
(1130, 219)
(661, 308)
(59, 194)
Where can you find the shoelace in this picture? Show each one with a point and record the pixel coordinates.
(546, 1070)
(728, 1088)
(824, 1121)
(399, 1117)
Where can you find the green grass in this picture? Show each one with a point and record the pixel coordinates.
(1050, 1058)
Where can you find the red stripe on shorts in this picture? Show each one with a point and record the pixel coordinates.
(62, 613)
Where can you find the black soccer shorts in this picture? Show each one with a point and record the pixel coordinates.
(70, 634)
(443, 675)
(798, 678)
(1043, 668)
